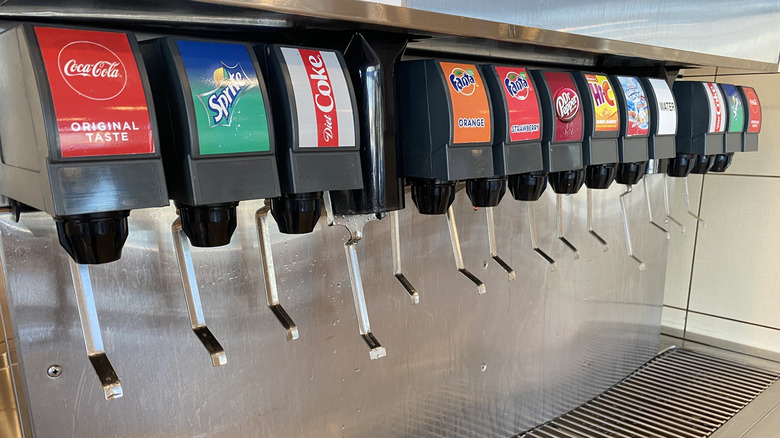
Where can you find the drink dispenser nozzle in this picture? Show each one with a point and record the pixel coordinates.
(89, 174)
(316, 116)
(632, 144)
(446, 126)
(218, 148)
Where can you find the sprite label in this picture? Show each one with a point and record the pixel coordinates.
(736, 108)
(229, 106)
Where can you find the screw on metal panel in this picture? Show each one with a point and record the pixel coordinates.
(483, 367)
(54, 371)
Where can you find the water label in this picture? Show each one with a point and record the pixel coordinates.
(665, 107)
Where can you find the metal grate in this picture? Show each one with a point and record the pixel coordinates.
(679, 394)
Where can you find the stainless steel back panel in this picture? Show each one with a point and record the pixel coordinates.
(458, 364)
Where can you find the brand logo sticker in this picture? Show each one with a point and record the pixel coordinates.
(463, 81)
(92, 70)
(517, 85)
(230, 84)
(567, 104)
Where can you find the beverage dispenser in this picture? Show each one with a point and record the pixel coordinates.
(316, 126)
(702, 124)
(663, 128)
(736, 125)
(600, 145)
(562, 137)
(517, 146)
(632, 143)
(446, 124)
(218, 148)
(79, 141)
(750, 135)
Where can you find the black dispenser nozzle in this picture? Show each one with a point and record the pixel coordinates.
(702, 164)
(681, 165)
(567, 182)
(486, 192)
(432, 196)
(631, 173)
(208, 225)
(721, 162)
(93, 238)
(600, 176)
(297, 213)
(528, 186)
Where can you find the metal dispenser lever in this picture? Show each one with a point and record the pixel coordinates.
(192, 295)
(269, 273)
(650, 209)
(90, 327)
(666, 205)
(561, 237)
(629, 248)
(396, 245)
(491, 226)
(458, 254)
(532, 224)
(354, 224)
(688, 204)
(590, 222)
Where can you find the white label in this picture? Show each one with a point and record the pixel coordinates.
(666, 107)
(315, 120)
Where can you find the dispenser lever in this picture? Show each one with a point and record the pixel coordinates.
(459, 255)
(561, 237)
(688, 204)
(355, 224)
(666, 206)
(269, 272)
(650, 209)
(590, 222)
(491, 226)
(90, 327)
(192, 295)
(532, 225)
(626, 228)
(396, 245)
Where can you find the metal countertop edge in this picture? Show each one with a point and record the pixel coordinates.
(438, 23)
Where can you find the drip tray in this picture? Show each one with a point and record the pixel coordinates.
(679, 394)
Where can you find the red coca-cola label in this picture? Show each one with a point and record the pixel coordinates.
(99, 99)
(754, 110)
(324, 102)
(566, 106)
(522, 104)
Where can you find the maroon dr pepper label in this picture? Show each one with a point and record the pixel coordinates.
(98, 96)
(566, 106)
(521, 103)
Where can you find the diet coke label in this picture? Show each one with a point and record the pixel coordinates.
(96, 89)
(323, 102)
(83, 63)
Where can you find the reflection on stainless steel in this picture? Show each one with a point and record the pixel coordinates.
(491, 226)
(456, 250)
(688, 204)
(355, 224)
(650, 211)
(9, 414)
(192, 295)
(549, 342)
(561, 237)
(593, 232)
(269, 271)
(90, 327)
(666, 205)
(395, 237)
(629, 246)
(532, 228)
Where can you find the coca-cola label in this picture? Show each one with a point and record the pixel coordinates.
(716, 105)
(322, 99)
(566, 106)
(522, 104)
(96, 89)
(754, 110)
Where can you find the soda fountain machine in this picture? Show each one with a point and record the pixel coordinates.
(632, 143)
(660, 143)
(600, 145)
(316, 124)
(215, 122)
(562, 138)
(79, 141)
(446, 125)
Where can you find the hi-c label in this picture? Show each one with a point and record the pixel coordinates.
(604, 106)
(98, 96)
(470, 105)
(322, 98)
(229, 105)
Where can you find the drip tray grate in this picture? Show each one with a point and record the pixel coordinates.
(679, 394)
